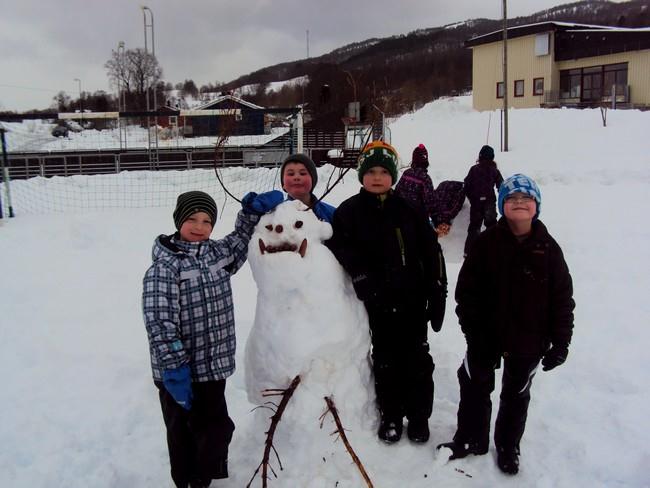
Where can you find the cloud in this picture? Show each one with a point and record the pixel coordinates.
(45, 45)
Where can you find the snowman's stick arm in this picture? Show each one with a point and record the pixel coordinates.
(331, 407)
(275, 420)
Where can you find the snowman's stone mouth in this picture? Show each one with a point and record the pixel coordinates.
(284, 247)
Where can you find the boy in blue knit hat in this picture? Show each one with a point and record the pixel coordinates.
(188, 312)
(398, 271)
(514, 302)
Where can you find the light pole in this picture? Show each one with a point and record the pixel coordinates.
(81, 103)
(153, 154)
(153, 46)
(121, 99)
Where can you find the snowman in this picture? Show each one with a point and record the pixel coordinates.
(308, 322)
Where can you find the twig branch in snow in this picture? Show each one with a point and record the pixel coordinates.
(275, 420)
(331, 407)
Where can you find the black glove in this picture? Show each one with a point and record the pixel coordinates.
(436, 308)
(364, 287)
(555, 356)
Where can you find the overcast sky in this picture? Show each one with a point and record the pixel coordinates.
(45, 44)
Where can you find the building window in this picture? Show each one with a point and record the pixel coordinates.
(594, 83)
(519, 88)
(542, 44)
(538, 86)
(615, 76)
(173, 120)
(500, 90)
(570, 83)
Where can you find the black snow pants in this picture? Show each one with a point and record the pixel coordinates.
(198, 439)
(402, 365)
(476, 378)
(481, 212)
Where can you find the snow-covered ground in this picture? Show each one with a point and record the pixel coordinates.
(36, 135)
(80, 410)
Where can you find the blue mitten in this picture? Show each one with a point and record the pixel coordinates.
(263, 203)
(178, 382)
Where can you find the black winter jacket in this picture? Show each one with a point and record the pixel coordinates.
(515, 298)
(481, 181)
(391, 244)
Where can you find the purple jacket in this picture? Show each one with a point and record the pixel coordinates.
(416, 187)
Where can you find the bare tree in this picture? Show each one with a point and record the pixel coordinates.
(134, 72)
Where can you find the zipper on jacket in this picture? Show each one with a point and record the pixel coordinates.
(400, 240)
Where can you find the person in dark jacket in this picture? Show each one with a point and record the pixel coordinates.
(398, 271)
(188, 313)
(299, 177)
(415, 185)
(480, 182)
(514, 301)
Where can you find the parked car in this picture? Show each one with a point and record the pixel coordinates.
(60, 131)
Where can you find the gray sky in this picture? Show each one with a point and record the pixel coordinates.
(45, 44)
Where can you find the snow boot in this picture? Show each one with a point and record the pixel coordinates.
(390, 431)
(418, 430)
(460, 450)
(200, 483)
(508, 460)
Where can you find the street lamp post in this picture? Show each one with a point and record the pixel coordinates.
(81, 103)
(153, 154)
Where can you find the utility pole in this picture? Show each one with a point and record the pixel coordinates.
(153, 152)
(121, 96)
(505, 77)
(81, 102)
(307, 43)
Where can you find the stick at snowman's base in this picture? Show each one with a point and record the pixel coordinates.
(331, 407)
(275, 420)
(286, 395)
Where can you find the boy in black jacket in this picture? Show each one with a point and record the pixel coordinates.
(514, 301)
(480, 183)
(398, 271)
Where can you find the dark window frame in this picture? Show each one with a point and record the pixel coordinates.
(587, 82)
(535, 90)
(501, 85)
(523, 88)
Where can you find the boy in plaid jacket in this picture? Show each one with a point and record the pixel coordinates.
(188, 313)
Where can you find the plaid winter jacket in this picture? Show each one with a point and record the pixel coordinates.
(415, 186)
(187, 302)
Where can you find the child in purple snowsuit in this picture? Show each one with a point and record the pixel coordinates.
(415, 185)
(480, 183)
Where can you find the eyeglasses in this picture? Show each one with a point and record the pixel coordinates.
(512, 199)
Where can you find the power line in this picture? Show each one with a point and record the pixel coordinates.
(30, 88)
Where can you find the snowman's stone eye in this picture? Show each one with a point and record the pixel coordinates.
(269, 227)
(298, 224)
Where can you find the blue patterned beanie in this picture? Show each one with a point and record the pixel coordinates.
(520, 184)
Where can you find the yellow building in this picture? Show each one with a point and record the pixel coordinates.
(552, 64)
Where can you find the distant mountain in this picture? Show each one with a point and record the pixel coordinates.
(402, 72)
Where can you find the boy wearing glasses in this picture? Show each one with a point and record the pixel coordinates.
(514, 301)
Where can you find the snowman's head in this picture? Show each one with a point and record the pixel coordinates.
(291, 228)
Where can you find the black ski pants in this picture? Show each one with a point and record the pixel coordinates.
(476, 378)
(481, 212)
(402, 365)
(198, 439)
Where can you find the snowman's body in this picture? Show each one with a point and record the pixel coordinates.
(308, 322)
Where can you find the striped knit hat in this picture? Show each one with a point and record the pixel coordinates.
(191, 202)
(378, 153)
